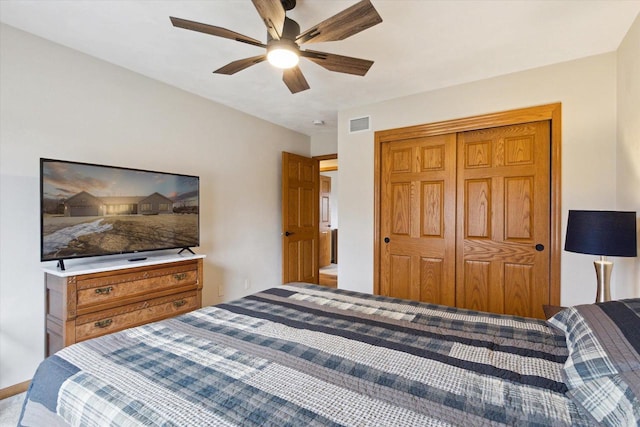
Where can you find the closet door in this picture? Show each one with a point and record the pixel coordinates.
(417, 219)
(503, 212)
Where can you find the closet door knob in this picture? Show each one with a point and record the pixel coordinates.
(539, 247)
(387, 240)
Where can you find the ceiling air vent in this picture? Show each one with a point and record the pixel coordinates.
(360, 124)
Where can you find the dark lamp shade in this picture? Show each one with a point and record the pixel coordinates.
(608, 233)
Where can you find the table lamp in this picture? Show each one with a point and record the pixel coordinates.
(604, 233)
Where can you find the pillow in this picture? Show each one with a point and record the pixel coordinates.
(610, 400)
(602, 371)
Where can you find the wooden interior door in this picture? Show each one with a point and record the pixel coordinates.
(300, 209)
(417, 219)
(324, 254)
(503, 212)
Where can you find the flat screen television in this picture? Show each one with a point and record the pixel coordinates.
(89, 210)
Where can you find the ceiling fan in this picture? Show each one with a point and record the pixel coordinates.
(284, 40)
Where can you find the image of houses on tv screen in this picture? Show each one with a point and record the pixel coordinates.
(92, 210)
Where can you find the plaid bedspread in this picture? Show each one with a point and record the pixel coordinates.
(304, 355)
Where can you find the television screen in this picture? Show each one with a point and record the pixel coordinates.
(91, 210)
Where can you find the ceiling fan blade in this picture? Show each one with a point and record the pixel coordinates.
(214, 31)
(339, 63)
(272, 13)
(350, 21)
(240, 64)
(294, 80)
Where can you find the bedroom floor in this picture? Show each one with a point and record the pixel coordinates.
(10, 410)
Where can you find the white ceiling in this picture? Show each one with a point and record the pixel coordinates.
(420, 45)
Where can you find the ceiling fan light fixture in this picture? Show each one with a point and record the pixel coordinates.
(282, 54)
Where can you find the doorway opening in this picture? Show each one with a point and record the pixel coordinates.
(328, 218)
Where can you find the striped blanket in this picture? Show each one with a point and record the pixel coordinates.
(304, 355)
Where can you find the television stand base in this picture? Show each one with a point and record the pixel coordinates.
(186, 249)
(60, 264)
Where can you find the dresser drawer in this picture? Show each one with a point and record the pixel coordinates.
(88, 304)
(113, 288)
(107, 321)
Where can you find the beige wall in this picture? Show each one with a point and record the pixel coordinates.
(324, 143)
(587, 90)
(628, 149)
(58, 103)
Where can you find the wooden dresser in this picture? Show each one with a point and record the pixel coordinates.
(84, 302)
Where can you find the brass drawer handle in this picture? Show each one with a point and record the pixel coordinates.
(179, 303)
(180, 276)
(104, 291)
(103, 323)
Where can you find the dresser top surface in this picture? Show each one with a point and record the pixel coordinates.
(76, 267)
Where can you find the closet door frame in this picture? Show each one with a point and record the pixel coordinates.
(551, 112)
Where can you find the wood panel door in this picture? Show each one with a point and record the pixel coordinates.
(300, 209)
(417, 219)
(324, 251)
(503, 212)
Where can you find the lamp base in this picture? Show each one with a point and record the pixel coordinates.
(603, 275)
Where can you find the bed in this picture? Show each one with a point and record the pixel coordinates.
(305, 355)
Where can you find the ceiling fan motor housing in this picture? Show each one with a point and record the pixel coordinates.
(290, 30)
(284, 53)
